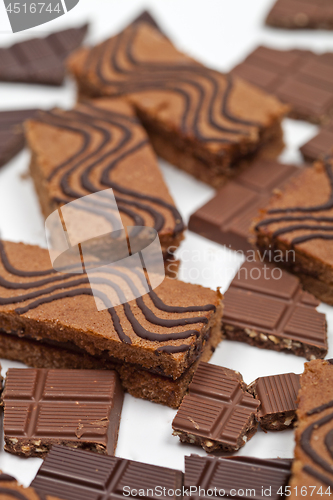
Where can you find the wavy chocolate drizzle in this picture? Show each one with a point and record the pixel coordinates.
(66, 287)
(318, 231)
(133, 75)
(305, 443)
(85, 123)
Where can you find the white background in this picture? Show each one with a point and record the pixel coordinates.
(220, 33)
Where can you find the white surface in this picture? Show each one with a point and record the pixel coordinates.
(219, 33)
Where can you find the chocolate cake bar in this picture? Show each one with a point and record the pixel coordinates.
(10, 489)
(77, 474)
(301, 14)
(320, 146)
(50, 320)
(277, 395)
(227, 218)
(78, 408)
(11, 132)
(232, 477)
(218, 412)
(297, 225)
(312, 468)
(202, 121)
(267, 307)
(300, 78)
(97, 145)
(40, 60)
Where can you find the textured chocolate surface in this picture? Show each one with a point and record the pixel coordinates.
(277, 395)
(267, 307)
(76, 474)
(237, 474)
(40, 60)
(313, 463)
(80, 408)
(218, 413)
(10, 489)
(300, 78)
(183, 105)
(298, 223)
(11, 132)
(319, 146)
(228, 216)
(301, 14)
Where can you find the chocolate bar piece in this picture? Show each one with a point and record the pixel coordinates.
(50, 320)
(320, 146)
(202, 121)
(228, 216)
(11, 132)
(297, 226)
(267, 307)
(312, 470)
(74, 474)
(277, 395)
(121, 159)
(218, 412)
(10, 489)
(300, 78)
(301, 14)
(40, 60)
(78, 408)
(232, 477)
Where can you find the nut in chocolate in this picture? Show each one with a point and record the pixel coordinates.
(87, 236)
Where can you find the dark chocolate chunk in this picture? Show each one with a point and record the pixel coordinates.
(267, 307)
(11, 132)
(218, 412)
(77, 474)
(80, 408)
(300, 78)
(301, 14)
(10, 489)
(277, 395)
(40, 60)
(236, 477)
(319, 146)
(228, 216)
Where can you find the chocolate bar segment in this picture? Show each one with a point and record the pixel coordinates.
(78, 408)
(40, 60)
(196, 118)
(120, 158)
(300, 78)
(301, 14)
(151, 341)
(320, 146)
(297, 226)
(234, 476)
(313, 463)
(11, 489)
(74, 474)
(227, 218)
(267, 307)
(277, 395)
(218, 413)
(11, 132)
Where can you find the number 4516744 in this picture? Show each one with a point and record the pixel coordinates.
(303, 491)
(32, 8)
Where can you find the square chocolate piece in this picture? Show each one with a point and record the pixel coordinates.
(277, 395)
(218, 413)
(77, 474)
(300, 78)
(78, 408)
(297, 225)
(228, 217)
(267, 307)
(320, 146)
(301, 14)
(204, 122)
